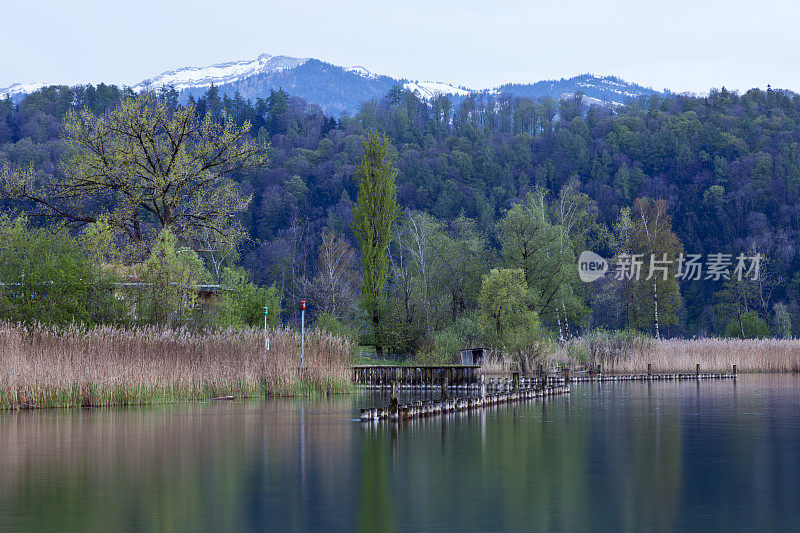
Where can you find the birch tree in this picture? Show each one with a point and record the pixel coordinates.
(334, 288)
(660, 247)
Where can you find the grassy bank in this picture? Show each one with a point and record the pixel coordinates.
(628, 353)
(48, 367)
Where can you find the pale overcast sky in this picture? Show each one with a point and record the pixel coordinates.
(681, 45)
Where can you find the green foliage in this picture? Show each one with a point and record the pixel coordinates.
(751, 326)
(297, 188)
(169, 276)
(543, 250)
(503, 299)
(506, 319)
(375, 212)
(45, 277)
(733, 301)
(97, 241)
(241, 302)
(328, 322)
(783, 322)
(151, 166)
(657, 294)
(447, 344)
(727, 164)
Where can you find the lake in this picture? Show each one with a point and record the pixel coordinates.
(666, 456)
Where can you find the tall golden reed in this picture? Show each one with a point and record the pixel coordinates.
(678, 355)
(42, 366)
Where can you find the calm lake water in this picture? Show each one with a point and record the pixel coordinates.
(611, 457)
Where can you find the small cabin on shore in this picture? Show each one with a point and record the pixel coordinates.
(472, 356)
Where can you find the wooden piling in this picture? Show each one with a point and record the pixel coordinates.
(397, 413)
(393, 405)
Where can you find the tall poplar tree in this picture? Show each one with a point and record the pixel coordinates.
(375, 212)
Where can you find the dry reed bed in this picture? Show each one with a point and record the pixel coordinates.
(625, 354)
(713, 355)
(48, 367)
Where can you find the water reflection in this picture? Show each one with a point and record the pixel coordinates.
(613, 456)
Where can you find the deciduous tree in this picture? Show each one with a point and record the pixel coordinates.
(145, 166)
(374, 214)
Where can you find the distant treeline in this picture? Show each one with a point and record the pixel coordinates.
(727, 165)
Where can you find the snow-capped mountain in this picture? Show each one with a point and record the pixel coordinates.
(428, 89)
(337, 90)
(596, 89)
(20, 89)
(221, 73)
(361, 71)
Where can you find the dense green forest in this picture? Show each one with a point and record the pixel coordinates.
(498, 196)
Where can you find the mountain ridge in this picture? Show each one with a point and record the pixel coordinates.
(338, 90)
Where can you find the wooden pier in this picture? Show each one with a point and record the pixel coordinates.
(431, 376)
(467, 377)
(546, 383)
(650, 377)
(595, 374)
(396, 412)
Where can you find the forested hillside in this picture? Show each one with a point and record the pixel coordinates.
(727, 167)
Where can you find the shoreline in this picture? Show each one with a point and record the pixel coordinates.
(104, 366)
(43, 367)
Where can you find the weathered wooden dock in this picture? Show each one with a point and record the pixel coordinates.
(467, 377)
(547, 382)
(385, 375)
(397, 412)
(595, 374)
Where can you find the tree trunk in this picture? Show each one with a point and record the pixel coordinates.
(560, 331)
(376, 333)
(655, 307)
(741, 324)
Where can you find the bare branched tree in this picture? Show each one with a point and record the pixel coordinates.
(336, 287)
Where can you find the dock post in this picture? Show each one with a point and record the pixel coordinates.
(444, 386)
(599, 368)
(393, 405)
(649, 370)
(483, 387)
(734, 370)
(515, 382)
(697, 371)
(566, 375)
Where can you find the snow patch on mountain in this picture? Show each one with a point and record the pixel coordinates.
(361, 71)
(221, 73)
(588, 100)
(19, 89)
(428, 89)
(609, 83)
